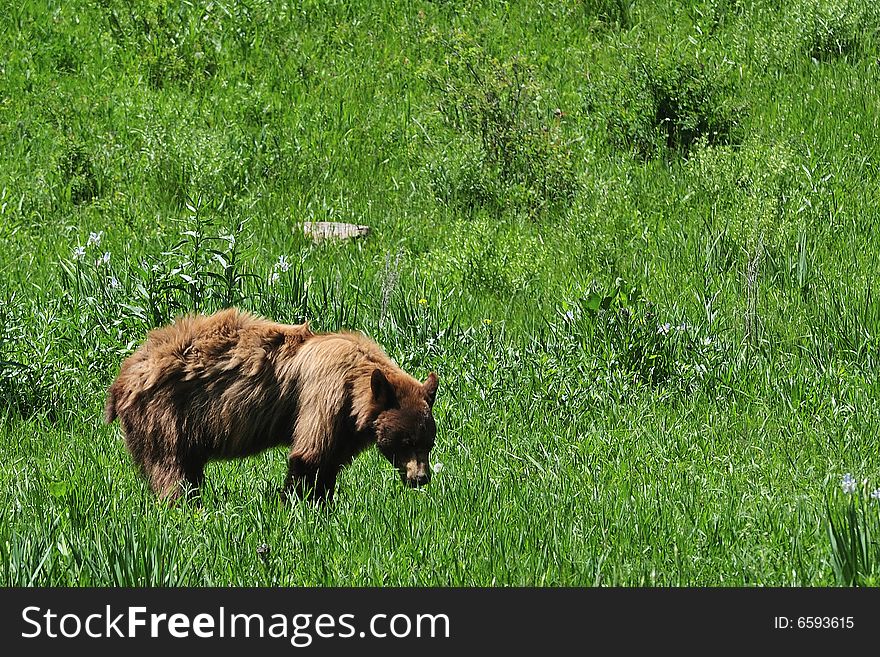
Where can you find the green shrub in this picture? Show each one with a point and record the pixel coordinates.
(507, 148)
(484, 254)
(748, 191)
(200, 272)
(176, 42)
(835, 29)
(78, 176)
(611, 12)
(659, 106)
(631, 341)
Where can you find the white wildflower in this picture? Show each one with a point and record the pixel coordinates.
(95, 238)
(79, 252)
(663, 329)
(848, 484)
(273, 277)
(103, 260)
(283, 264)
(875, 494)
(114, 282)
(437, 467)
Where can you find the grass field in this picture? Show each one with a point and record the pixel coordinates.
(638, 242)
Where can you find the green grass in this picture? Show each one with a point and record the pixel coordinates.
(548, 188)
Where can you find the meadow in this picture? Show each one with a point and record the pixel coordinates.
(637, 241)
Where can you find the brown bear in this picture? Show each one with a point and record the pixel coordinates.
(233, 384)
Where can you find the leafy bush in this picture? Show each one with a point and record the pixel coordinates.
(177, 42)
(483, 254)
(750, 192)
(200, 272)
(749, 195)
(835, 29)
(660, 106)
(611, 12)
(77, 171)
(628, 336)
(189, 159)
(509, 149)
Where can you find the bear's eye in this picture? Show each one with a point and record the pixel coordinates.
(405, 440)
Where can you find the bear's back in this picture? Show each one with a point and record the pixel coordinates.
(207, 349)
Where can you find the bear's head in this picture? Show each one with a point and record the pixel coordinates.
(405, 428)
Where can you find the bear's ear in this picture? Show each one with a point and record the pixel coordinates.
(383, 391)
(430, 388)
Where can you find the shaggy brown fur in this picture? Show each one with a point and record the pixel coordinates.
(232, 384)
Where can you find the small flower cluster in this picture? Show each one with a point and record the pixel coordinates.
(665, 329)
(101, 261)
(848, 484)
(79, 252)
(283, 265)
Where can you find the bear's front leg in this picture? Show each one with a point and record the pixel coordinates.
(310, 481)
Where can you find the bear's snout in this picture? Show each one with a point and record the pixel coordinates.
(416, 474)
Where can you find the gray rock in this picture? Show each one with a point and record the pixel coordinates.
(333, 230)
